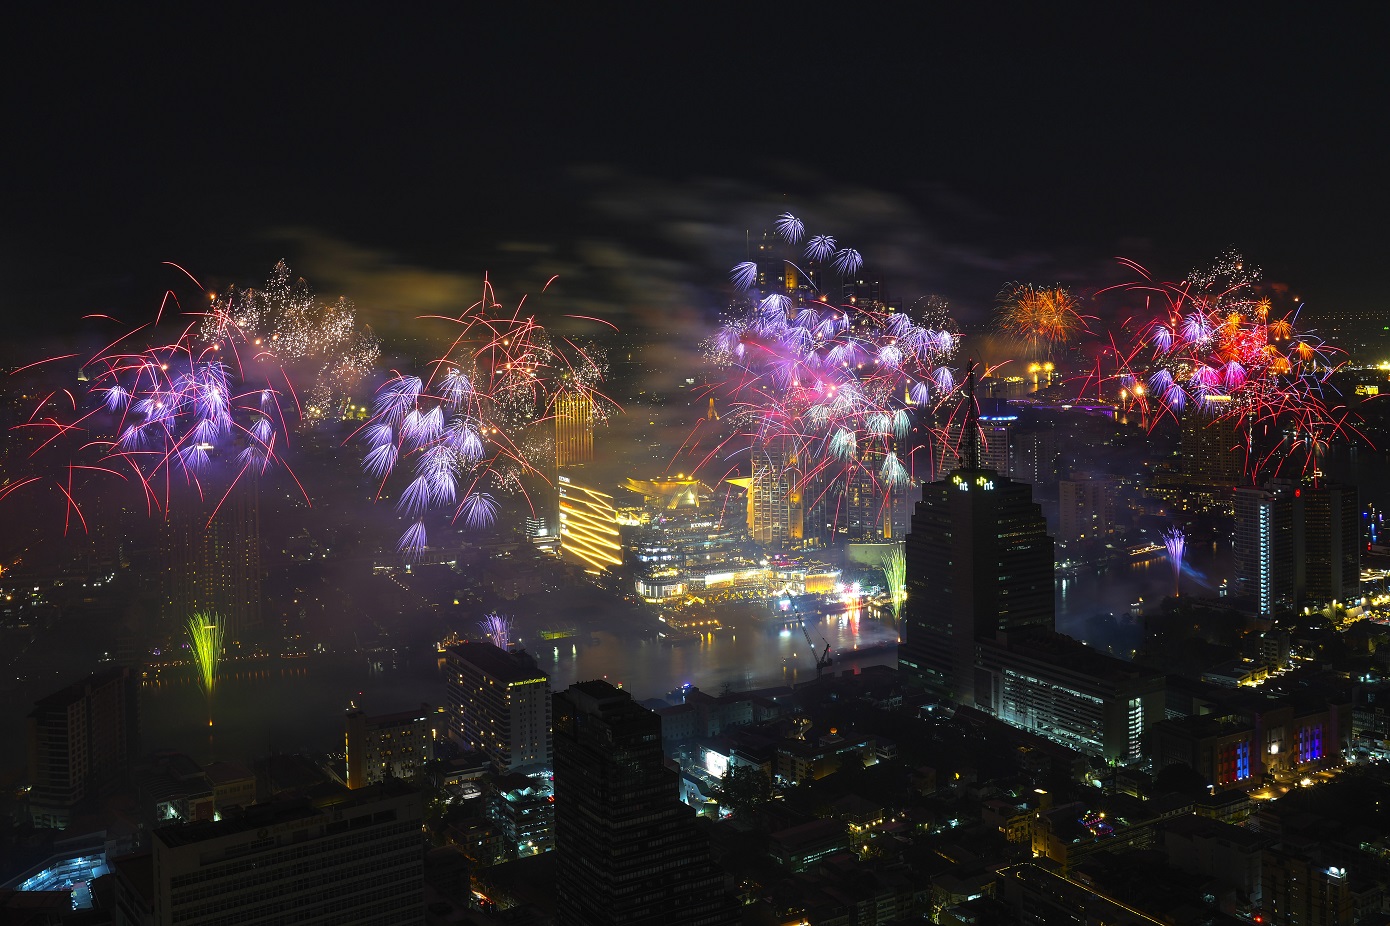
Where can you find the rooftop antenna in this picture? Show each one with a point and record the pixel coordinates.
(970, 434)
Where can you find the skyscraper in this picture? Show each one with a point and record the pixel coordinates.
(499, 704)
(627, 850)
(574, 430)
(1210, 448)
(979, 561)
(776, 510)
(1296, 543)
(210, 554)
(82, 740)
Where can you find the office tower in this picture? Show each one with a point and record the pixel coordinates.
(1327, 531)
(1087, 504)
(210, 554)
(627, 850)
(387, 745)
(499, 704)
(574, 430)
(1296, 543)
(353, 859)
(995, 435)
(588, 525)
(82, 740)
(979, 561)
(1210, 448)
(1034, 456)
(776, 510)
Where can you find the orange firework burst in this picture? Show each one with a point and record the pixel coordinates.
(1041, 314)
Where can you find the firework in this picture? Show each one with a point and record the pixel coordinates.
(474, 426)
(205, 633)
(1215, 347)
(319, 344)
(498, 629)
(1175, 541)
(160, 413)
(894, 567)
(1041, 316)
(826, 394)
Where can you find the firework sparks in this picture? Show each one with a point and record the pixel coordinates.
(1212, 349)
(189, 410)
(894, 567)
(1175, 541)
(498, 629)
(320, 343)
(205, 633)
(474, 427)
(1042, 316)
(836, 388)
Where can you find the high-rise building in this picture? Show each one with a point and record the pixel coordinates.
(387, 745)
(82, 741)
(1210, 448)
(356, 857)
(1296, 543)
(627, 850)
(574, 430)
(588, 525)
(1034, 456)
(1262, 547)
(499, 704)
(1086, 509)
(776, 508)
(1327, 531)
(210, 554)
(979, 561)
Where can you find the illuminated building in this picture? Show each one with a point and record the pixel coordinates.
(499, 704)
(775, 504)
(355, 857)
(1057, 687)
(524, 810)
(626, 849)
(82, 740)
(588, 526)
(979, 561)
(1296, 543)
(1252, 737)
(574, 430)
(212, 561)
(387, 745)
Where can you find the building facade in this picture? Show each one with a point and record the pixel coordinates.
(499, 704)
(1296, 543)
(354, 858)
(588, 525)
(82, 741)
(387, 745)
(626, 849)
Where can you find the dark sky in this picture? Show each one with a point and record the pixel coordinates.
(388, 147)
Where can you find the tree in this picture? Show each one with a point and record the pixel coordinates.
(744, 787)
(1180, 778)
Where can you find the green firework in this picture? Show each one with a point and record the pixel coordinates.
(205, 637)
(894, 567)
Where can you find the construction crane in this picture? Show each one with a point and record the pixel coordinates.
(823, 660)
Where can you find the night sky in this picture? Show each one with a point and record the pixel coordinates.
(394, 156)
